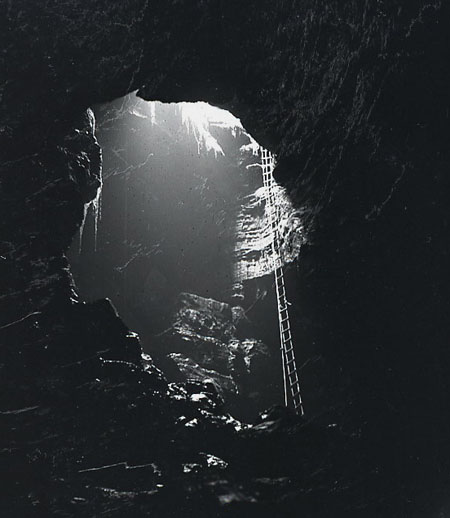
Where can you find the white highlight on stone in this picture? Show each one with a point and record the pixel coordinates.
(198, 118)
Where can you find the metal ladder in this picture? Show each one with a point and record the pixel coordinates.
(290, 374)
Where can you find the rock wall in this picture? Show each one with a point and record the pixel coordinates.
(213, 342)
(168, 213)
(354, 97)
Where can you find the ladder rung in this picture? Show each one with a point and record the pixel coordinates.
(273, 215)
(298, 405)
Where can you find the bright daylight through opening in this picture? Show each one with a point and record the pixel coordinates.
(191, 225)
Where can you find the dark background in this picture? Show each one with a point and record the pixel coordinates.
(354, 98)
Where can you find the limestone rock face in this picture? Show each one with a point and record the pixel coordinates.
(202, 344)
(44, 198)
(191, 371)
(354, 97)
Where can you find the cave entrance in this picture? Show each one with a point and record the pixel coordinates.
(174, 241)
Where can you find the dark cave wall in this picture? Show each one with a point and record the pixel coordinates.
(357, 111)
(353, 96)
(43, 197)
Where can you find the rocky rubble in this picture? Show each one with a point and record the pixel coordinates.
(91, 428)
(202, 344)
(354, 97)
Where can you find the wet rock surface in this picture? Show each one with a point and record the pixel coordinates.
(43, 197)
(354, 97)
(202, 343)
(89, 428)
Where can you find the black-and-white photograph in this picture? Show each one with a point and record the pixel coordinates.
(224, 258)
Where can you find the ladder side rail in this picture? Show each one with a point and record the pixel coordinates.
(290, 376)
(267, 181)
